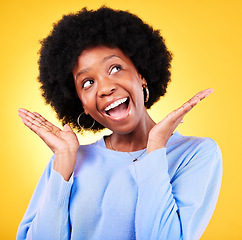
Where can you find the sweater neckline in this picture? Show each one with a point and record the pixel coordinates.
(173, 138)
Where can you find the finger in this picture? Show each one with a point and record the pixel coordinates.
(35, 126)
(40, 116)
(177, 115)
(180, 112)
(207, 92)
(190, 104)
(34, 121)
(21, 114)
(24, 113)
(47, 124)
(67, 128)
(201, 95)
(196, 99)
(38, 126)
(42, 119)
(22, 110)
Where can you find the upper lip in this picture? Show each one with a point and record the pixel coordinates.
(114, 103)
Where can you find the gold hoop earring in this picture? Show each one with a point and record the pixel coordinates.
(147, 93)
(78, 122)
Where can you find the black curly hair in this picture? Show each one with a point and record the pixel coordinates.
(103, 27)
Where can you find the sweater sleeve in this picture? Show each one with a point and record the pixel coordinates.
(180, 205)
(47, 215)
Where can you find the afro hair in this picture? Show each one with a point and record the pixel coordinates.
(103, 27)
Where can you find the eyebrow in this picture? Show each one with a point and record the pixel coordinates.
(103, 60)
(81, 72)
(110, 56)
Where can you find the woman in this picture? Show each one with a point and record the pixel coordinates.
(104, 68)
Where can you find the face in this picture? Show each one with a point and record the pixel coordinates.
(110, 88)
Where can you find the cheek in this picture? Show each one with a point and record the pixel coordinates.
(81, 94)
(85, 101)
(78, 90)
(137, 91)
(88, 103)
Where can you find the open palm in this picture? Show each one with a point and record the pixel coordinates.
(56, 139)
(161, 132)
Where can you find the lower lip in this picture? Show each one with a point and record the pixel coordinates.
(125, 115)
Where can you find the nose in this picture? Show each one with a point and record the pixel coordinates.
(105, 87)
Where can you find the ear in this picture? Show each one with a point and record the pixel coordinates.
(85, 111)
(142, 80)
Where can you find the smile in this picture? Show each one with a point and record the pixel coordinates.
(118, 110)
(115, 104)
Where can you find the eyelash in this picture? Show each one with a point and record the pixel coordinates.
(92, 81)
(115, 66)
(85, 81)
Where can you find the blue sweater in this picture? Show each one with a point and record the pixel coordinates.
(169, 194)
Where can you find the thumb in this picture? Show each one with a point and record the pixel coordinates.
(67, 128)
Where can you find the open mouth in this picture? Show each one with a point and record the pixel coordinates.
(118, 109)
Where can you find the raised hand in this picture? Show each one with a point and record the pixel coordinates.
(63, 143)
(161, 132)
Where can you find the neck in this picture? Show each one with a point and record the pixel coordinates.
(133, 141)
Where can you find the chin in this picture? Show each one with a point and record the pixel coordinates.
(124, 129)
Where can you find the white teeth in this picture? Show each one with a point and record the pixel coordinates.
(115, 104)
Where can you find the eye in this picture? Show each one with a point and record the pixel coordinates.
(115, 68)
(87, 83)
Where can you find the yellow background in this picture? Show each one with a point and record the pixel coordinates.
(205, 37)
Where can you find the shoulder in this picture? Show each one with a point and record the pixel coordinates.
(192, 143)
(91, 147)
(204, 146)
(187, 151)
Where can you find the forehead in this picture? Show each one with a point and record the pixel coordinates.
(99, 55)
